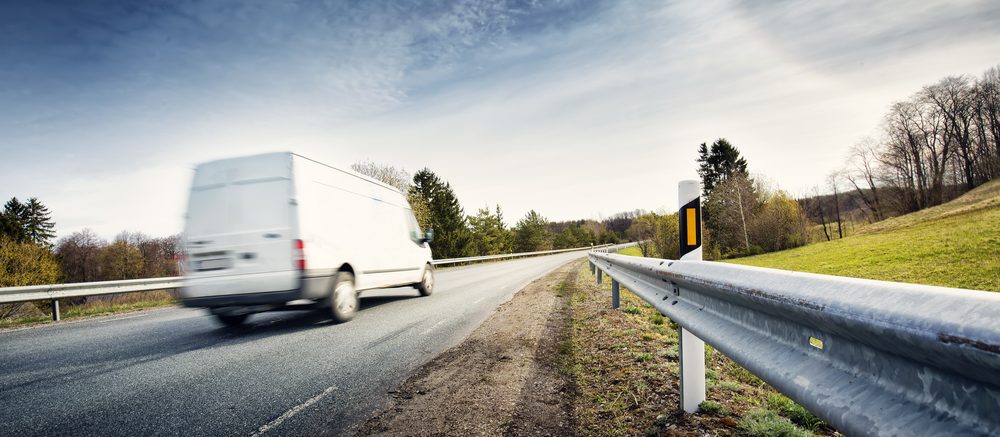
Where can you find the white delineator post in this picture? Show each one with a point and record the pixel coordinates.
(692, 349)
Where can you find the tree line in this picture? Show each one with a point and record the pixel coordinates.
(457, 234)
(935, 145)
(28, 256)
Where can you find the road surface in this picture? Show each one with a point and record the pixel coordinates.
(177, 372)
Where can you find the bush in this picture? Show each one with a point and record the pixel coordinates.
(24, 263)
(713, 408)
(766, 423)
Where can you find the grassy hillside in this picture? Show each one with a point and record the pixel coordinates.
(956, 244)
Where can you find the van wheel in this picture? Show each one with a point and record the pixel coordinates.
(344, 298)
(426, 286)
(231, 320)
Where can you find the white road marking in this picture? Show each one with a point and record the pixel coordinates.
(122, 318)
(428, 331)
(295, 410)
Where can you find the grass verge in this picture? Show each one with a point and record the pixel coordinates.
(625, 368)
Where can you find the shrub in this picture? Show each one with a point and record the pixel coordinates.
(641, 356)
(766, 423)
(713, 408)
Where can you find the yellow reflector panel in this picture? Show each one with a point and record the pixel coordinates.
(692, 229)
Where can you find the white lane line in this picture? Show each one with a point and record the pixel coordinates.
(428, 331)
(122, 318)
(295, 410)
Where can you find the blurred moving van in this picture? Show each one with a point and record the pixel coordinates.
(281, 231)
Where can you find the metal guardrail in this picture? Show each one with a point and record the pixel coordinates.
(54, 292)
(61, 291)
(441, 262)
(869, 357)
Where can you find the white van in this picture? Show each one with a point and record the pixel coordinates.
(282, 231)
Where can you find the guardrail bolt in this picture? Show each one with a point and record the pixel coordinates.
(615, 295)
(55, 310)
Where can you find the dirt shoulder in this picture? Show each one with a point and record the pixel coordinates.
(504, 379)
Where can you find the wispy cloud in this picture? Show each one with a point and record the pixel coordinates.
(534, 104)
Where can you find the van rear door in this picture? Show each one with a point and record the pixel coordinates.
(241, 229)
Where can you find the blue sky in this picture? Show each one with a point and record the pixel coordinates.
(575, 109)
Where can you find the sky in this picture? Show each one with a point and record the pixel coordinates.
(577, 109)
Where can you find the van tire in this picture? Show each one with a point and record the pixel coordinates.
(231, 320)
(344, 300)
(426, 285)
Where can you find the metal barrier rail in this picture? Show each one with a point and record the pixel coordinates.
(869, 357)
(54, 292)
(441, 262)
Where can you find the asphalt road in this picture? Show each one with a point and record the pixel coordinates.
(176, 372)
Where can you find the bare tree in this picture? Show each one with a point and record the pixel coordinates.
(833, 180)
(729, 210)
(861, 167)
(642, 231)
(396, 177)
(952, 99)
(817, 205)
(79, 256)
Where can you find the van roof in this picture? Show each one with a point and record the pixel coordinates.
(342, 170)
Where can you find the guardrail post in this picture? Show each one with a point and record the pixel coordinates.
(691, 348)
(615, 295)
(600, 276)
(591, 268)
(55, 310)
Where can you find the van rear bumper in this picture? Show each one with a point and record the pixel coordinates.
(228, 300)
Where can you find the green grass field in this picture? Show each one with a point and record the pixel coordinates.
(631, 251)
(956, 244)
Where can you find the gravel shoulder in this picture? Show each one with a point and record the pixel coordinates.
(504, 379)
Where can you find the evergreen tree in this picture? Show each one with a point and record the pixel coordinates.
(13, 220)
(717, 163)
(447, 218)
(532, 233)
(38, 226)
(489, 235)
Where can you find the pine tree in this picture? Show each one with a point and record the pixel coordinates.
(38, 226)
(447, 218)
(13, 220)
(717, 163)
(532, 233)
(489, 236)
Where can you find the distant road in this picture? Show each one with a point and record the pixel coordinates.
(176, 372)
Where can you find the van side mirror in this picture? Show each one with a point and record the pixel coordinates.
(429, 236)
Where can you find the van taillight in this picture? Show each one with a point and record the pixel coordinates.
(299, 254)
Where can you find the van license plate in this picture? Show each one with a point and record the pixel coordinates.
(212, 264)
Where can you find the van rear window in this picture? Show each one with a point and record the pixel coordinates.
(242, 206)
